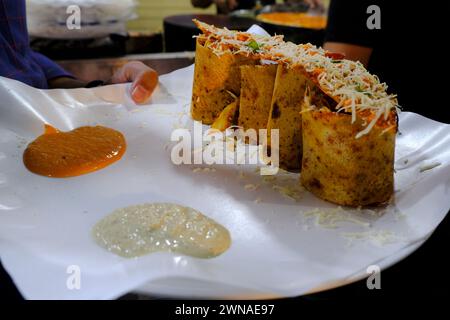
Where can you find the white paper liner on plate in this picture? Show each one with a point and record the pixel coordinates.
(281, 246)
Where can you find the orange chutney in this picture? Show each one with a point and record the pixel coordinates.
(73, 153)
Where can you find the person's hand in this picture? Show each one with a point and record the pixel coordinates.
(226, 5)
(144, 79)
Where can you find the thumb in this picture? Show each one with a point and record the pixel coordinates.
(144, 85)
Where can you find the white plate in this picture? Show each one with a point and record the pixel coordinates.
(45, 223)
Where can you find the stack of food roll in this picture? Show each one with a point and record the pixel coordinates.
(337, 123)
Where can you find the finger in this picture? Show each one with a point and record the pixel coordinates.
(143, 77)
(129, 72)
(144, 85)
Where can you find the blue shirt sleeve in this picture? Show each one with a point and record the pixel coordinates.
(51, 69)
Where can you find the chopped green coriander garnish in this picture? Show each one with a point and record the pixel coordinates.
(359, 88)
(254, 45)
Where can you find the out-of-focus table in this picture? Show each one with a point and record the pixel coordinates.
(103, 68)
(179, 29)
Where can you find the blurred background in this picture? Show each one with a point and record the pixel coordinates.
(91, 38)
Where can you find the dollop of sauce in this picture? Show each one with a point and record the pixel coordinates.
(138, 230)
(68, 154)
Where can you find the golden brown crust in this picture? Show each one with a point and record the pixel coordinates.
(344, 170)
(288, 95)
(216, 80)
(257, 84)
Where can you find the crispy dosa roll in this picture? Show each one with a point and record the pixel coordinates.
(288, 96)
(347, 122)
(339, 167)
(217, 80)
(257, 84)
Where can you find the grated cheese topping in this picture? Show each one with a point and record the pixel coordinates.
(293, 192)
(331, 218)
(354, 89)
(222, 40)
(376, 237)
(429, 166)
